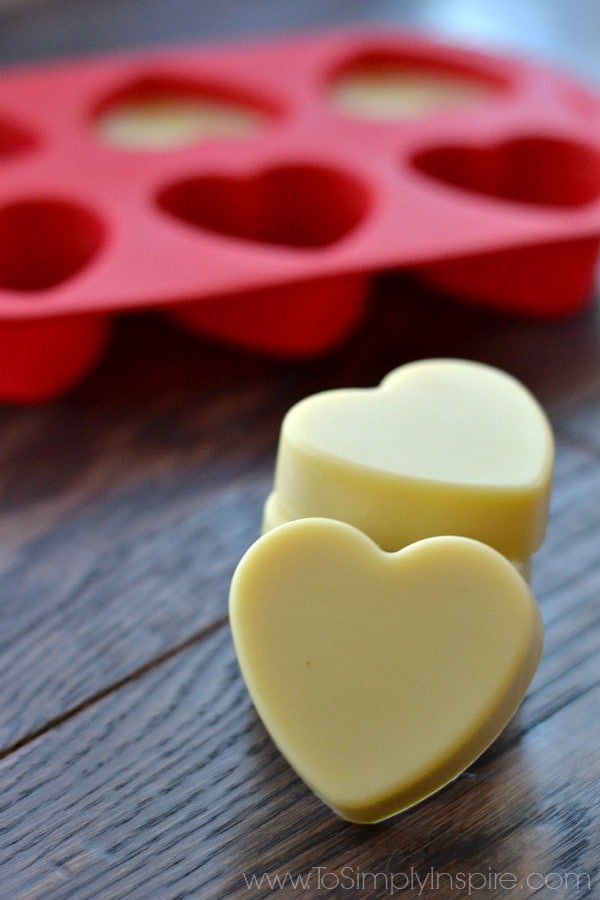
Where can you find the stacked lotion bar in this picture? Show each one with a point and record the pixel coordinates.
(381, 624)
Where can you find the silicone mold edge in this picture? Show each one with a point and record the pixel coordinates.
(297, 320)
(43, 358)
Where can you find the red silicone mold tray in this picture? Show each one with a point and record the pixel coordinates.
(251, 191)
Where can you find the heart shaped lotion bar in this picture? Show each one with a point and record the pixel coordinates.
(441, 447)
(381, 676)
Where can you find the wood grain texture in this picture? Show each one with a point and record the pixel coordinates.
(132, 764)
(169, 786)
(125, 507)
(174, 790)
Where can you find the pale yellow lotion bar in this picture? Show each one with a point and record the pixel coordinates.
(163, 121)
(441, 447)
(389, 92)
(381, 676)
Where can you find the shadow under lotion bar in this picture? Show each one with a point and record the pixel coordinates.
(440, 447)
(381, 676)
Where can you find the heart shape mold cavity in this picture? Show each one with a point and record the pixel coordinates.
(536, 171)
(534, 175)
(381, 676)
(290, 209)
(44, 242)
(293, 206)
(441, 447)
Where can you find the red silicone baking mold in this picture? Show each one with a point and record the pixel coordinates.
(268, 240)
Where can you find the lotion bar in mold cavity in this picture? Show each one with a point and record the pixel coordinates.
(387, 91)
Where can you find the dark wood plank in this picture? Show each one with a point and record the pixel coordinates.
(170, 787)
(580, 419)
(125, 507)
(571, 544)
(173, 788)
(124, 548)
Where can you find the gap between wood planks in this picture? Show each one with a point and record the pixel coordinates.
(562, 434)
(195, 638)
(207, 632)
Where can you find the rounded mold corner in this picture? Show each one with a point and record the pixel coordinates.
(40, 359)
(387, 85)
(45, 241)
(305, 207)
(528, 170)
(547, 280)
(15, 139)
(157, 112)
(296, 320)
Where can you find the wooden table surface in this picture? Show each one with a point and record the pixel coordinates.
(132, 762)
